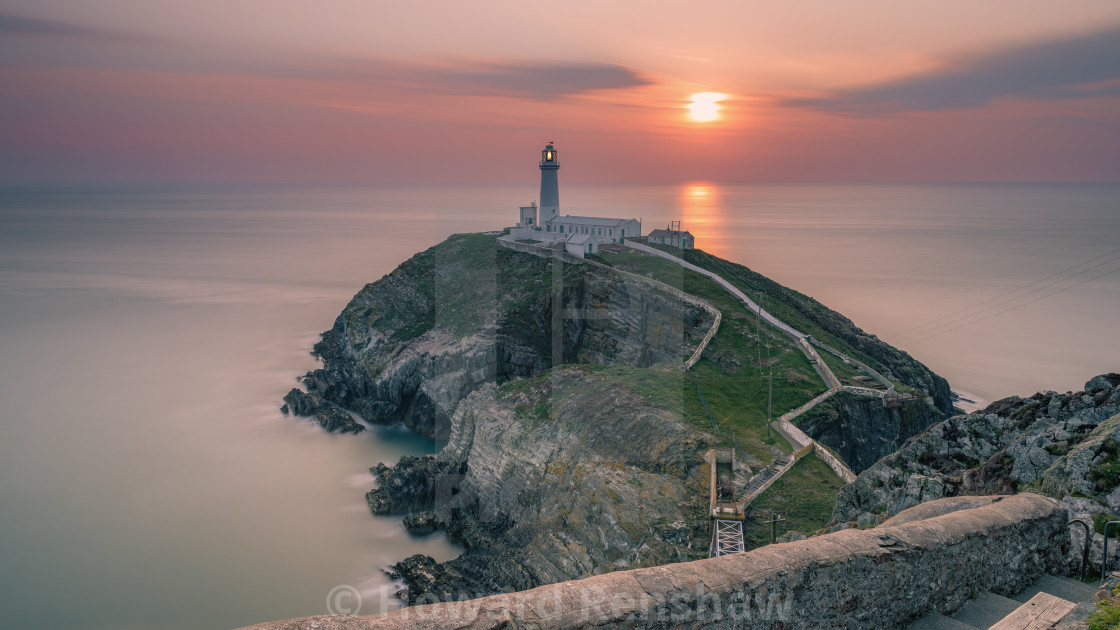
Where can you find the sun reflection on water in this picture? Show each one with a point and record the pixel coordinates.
(704, 216)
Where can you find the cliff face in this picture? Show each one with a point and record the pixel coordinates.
(568, 475)
(861, 429)
(412, 345)
(1061, 444)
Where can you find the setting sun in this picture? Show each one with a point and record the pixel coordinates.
(704, 106)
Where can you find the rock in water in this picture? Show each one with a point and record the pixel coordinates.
(327, 414)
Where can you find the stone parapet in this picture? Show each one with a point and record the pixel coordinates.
(856, 579)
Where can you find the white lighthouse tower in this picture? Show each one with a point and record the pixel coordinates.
(579, 235)
(550, 188)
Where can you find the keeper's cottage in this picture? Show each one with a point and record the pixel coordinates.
(580, 235)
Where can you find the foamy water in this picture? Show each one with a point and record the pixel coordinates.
(148, 335)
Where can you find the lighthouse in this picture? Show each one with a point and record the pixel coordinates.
(550, 189)
(579, 235)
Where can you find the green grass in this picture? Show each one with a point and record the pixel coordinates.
(731, 370)
(786, 304)
(1107, 616)
(803, 496)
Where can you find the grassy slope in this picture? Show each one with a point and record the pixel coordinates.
(731, 371)
(781, 301)
(804, 496)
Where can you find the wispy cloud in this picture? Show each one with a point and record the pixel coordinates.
(1076, 66)
(534, 80)
(21, 25)
(545, 80)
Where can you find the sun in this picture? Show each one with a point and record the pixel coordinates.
(704, 106)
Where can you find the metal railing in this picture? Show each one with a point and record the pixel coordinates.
(1088, 541)
(1104, 556)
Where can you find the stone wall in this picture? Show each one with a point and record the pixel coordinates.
(541, 251)
(840, 468)
(857, 579)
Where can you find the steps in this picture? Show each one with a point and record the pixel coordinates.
(935, 621)
(766, 474)
(1051, 602)
(1065, 588)
(986, 610)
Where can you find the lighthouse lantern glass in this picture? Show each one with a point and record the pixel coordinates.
(548, 156)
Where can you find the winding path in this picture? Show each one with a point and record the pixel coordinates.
(802, 443)
(830, 380)
(732, 289)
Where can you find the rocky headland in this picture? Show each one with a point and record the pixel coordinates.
(574, 436)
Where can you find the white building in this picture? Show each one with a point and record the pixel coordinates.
(580, 235)
(676, 238)
(580, 244)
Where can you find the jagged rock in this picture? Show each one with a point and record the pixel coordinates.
(555, 498)
(1063, 444)
(862, 430)
(415, 484)
(791, 536)
(422, 573)
(326, 413)
(1091, 468)
(866, 520)
(421, 523)
(1102, 383)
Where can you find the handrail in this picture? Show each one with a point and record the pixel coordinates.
(1088, 540)
(1104, 556)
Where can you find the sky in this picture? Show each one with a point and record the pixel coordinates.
(372, 91)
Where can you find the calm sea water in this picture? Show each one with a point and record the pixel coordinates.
(147, 335)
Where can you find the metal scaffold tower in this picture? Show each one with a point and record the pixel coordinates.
(727, 514)
(727, 538)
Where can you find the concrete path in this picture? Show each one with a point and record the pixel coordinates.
(742, 297)
(822, 369)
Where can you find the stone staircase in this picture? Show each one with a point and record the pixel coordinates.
(1051, 602)
(766, 474)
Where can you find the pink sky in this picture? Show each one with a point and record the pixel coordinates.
(361, 91)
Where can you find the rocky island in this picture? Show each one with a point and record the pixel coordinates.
(575, 422)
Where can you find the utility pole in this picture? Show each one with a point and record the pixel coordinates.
(758, 330)
(770, 366)
(769, 401)
(774, 520)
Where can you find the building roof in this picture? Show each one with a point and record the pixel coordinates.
(587, 220)
(579, 239)
(668, 233)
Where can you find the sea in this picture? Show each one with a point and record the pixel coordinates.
(148, 333)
